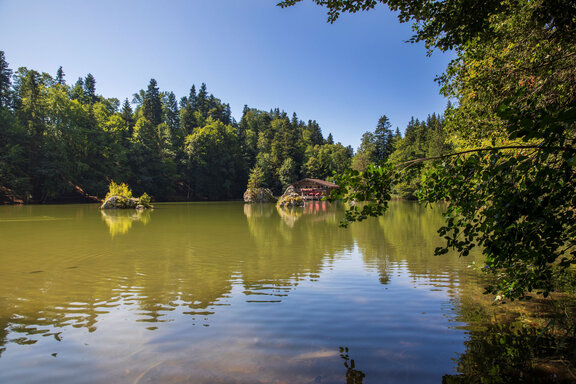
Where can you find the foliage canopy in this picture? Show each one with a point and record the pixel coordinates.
(57, 139)
(509, 184)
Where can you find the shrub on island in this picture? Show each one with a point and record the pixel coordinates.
(119, 196)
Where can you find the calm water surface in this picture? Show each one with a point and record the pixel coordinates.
(227, 293)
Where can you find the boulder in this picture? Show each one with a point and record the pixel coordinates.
(120, 202)
(259, 195)
(290, 199)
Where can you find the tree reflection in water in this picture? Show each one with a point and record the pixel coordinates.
(353, 375)
(514, 353)
(120, 221)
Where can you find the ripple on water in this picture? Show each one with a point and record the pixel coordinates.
(169, 302)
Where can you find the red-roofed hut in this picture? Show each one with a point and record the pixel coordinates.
(313, 189)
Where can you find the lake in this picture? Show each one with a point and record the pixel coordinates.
(229, 293)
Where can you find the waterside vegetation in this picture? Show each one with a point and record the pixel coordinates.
(58, 140)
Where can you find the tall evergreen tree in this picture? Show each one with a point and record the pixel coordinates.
(60, 76)
(171, 113)
(77, 91)
(315, 133)
(90, 89)
(152, 104)
(128, 114)
(295, 121)
(383, 139)
(187, 109)
(5, 81)
(201, 101)
(227, 115)
(192, 96)
(330, 139)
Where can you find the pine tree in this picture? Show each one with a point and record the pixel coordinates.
(201, 101)
(191, 97)
(77, 91)
(187, 108)
(152, 104)
(383, 137)
(90, 89)
(60, 76)
(295, 122)
(227, 115)
(5, 76)
(256, 178)
(315, 133)
(330, 139)
(171, 113)
(128, 114)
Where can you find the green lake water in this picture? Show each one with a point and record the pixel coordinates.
(228, 293)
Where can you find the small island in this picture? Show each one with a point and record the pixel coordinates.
(120, 196)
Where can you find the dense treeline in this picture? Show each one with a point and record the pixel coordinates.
(422, 139)
(60, 141)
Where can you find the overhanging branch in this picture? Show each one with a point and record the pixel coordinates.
(476, 150)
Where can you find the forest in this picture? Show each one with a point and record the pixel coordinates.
(63, 142)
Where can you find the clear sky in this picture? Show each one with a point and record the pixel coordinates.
(344, 75)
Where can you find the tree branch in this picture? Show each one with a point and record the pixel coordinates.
(534, 146)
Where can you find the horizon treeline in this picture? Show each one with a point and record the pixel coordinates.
(61, 141)
(422, 139)
(64, 142)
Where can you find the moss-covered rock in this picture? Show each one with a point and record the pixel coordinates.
(259, 195)
(290, 199)
(120, 202)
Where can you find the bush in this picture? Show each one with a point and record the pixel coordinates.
(144, 200)
(119, 190)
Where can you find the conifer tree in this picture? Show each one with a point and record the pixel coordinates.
(127, 114)
(5, 76)
(295, 121)
(77, 91)
(383, 139)
(171, 113)
(152, 104)
(330, 139)
(201, 101)
(227, 115)
(90, 89)
(60, 76)
(315, 133)
(192, 96)
(187, 108)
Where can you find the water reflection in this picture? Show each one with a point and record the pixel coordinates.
(353, 375)
(232, 289)
(290, 214)
(120, 221)
(512, 353)
(185, 262)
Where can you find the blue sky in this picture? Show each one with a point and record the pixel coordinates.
(344, 75)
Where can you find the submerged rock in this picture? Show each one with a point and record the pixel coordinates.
(259, 195)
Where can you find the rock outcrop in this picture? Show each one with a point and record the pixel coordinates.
(121, 202)
(259, 195)
(290, 199)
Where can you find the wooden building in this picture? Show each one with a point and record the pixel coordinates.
(313, 189)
